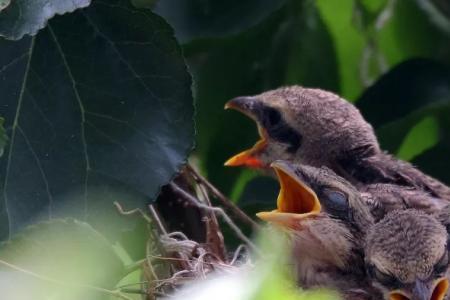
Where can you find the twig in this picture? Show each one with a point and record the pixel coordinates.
(214, 235)
(221, 197)
(132, 212)
(115, 293)
(217, 210)
(157, 220)
(237, 252)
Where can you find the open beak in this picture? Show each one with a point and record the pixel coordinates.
(249, 158)
(421, 291)
(296, 200)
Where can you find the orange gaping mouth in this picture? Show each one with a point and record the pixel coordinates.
(296, 201)
(439, 291)
(248, 158)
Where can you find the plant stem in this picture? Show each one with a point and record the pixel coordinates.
(224, 200)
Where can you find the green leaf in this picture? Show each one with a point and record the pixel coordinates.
(3, 137)
(349, 43)
(29, 16)
(209, 18)
(98, 108)
(64, 257)
(424, 135)
(271, 280)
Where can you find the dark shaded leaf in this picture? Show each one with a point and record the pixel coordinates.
(29, 16)
(67, 251)
(98, 108)
(435, 162)
(209, 18)
(407, 87)
(411, 90)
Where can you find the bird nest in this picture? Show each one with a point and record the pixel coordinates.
(173, 259)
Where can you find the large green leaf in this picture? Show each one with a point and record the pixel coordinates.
(98, 108)
(63, 255)
(286, 48)
(209, 18)
(29, 16)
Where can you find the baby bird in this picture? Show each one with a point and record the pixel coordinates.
(406, 256)
(318, 128)
(325, 219)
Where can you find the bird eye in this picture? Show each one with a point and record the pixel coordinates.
(271, 117)
(278, 129)
(385, 279)
(442, 264)
(336, 200)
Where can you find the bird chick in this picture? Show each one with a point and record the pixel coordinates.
(407, 257)
(318, 128)
(325, 220)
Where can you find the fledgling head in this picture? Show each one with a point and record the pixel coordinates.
(309, 126)
(406, 256)
(326, 220)
(307, 191)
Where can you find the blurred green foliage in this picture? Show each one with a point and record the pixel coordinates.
(59, 259)
(271, 277)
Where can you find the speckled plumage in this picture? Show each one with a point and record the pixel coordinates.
(407, 246)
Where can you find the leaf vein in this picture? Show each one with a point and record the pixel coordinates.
(82, 114)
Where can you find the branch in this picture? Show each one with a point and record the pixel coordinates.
(186, 196)
(221, 197)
